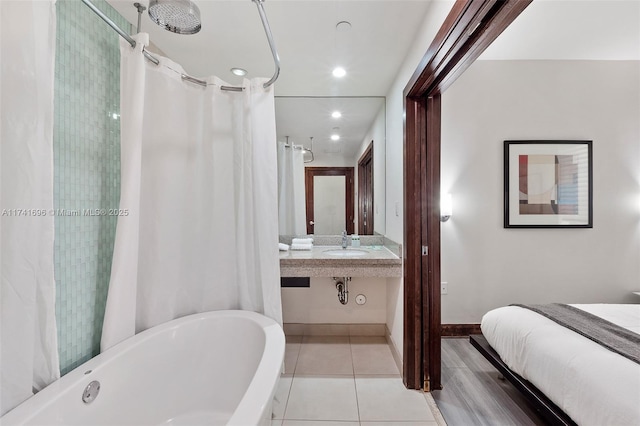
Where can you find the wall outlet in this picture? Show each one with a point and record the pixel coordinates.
(444, 287)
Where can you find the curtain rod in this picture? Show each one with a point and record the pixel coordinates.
(150, 57)
(300, 147)
(272, 43)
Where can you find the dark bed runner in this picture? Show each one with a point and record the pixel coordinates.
(605, 333)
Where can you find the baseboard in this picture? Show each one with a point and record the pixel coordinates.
(397, 355)
(300, 329)
(459, 330)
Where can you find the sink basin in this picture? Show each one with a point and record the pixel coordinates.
(346, 252)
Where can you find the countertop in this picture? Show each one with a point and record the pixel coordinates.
(378, 262)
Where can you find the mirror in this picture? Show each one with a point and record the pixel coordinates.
(360, 147)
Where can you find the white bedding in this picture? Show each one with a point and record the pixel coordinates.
(593, 385)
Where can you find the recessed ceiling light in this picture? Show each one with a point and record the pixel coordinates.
(239, 71)
(336, 114)
(335, 137)
(339, 72)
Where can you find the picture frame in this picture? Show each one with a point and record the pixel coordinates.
(548, 184)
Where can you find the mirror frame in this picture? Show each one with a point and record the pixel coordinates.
(312, 172)
(367, 157)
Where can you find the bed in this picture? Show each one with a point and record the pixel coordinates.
(569, 377)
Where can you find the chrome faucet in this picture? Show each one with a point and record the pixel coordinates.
(344, 239)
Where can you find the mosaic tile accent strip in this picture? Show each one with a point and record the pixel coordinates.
(86, 173)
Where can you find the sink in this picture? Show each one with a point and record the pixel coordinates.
(349, 252)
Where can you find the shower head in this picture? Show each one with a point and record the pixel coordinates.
(178, 16)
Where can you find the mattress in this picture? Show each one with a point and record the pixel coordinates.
(591, 384)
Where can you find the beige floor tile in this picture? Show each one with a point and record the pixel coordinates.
(372, 355)
(398, 424)
(317, 423)
(325, 355)
(281, 397)
(294, 339)
(276, 422)
(386, 399)
(323, 398)
(366, 330)
(291, 352)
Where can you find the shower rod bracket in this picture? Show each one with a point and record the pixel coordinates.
(140, 9)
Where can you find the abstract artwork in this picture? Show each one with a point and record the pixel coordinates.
(547, 184)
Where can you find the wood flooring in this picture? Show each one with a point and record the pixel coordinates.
(473, 392)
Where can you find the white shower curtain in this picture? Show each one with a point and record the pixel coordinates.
(291, 205)
(198, 225)
(28, 340)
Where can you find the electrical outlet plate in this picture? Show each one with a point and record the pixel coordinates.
(444, 287)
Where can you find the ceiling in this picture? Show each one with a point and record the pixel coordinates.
(571, 30)
(357, 115)
(306, 38)
(309, 46)
(381, 33)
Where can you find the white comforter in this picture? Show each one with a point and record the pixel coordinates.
(593, 385)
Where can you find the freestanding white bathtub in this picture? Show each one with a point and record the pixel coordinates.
(216, 368)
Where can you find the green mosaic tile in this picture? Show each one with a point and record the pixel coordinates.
(86, 172)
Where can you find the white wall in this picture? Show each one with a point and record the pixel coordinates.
(488, 266)
(337, 161)
(319, 303)
(434, 17)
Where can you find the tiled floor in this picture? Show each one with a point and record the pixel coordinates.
(346, 381)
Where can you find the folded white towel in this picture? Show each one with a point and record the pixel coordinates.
(301, 246)
(302, 241)
(283, 247)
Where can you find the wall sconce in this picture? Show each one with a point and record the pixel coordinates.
(446, 207)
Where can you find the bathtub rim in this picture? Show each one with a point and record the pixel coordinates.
(273, 351)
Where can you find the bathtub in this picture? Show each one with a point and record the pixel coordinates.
(216, 368)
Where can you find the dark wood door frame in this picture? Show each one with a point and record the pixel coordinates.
(470, 27)
(365, 192)
(347, 172)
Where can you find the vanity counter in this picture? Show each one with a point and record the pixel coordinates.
(379, 261)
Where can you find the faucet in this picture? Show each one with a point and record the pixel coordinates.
(344, 239)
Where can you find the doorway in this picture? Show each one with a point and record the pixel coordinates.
(470, 27)
(325, 213)
(365, 192)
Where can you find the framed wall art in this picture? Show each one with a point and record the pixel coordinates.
(548, 184)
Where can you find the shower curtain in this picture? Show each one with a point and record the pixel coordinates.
(291, 205)
(197, 226)
(28, 340)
